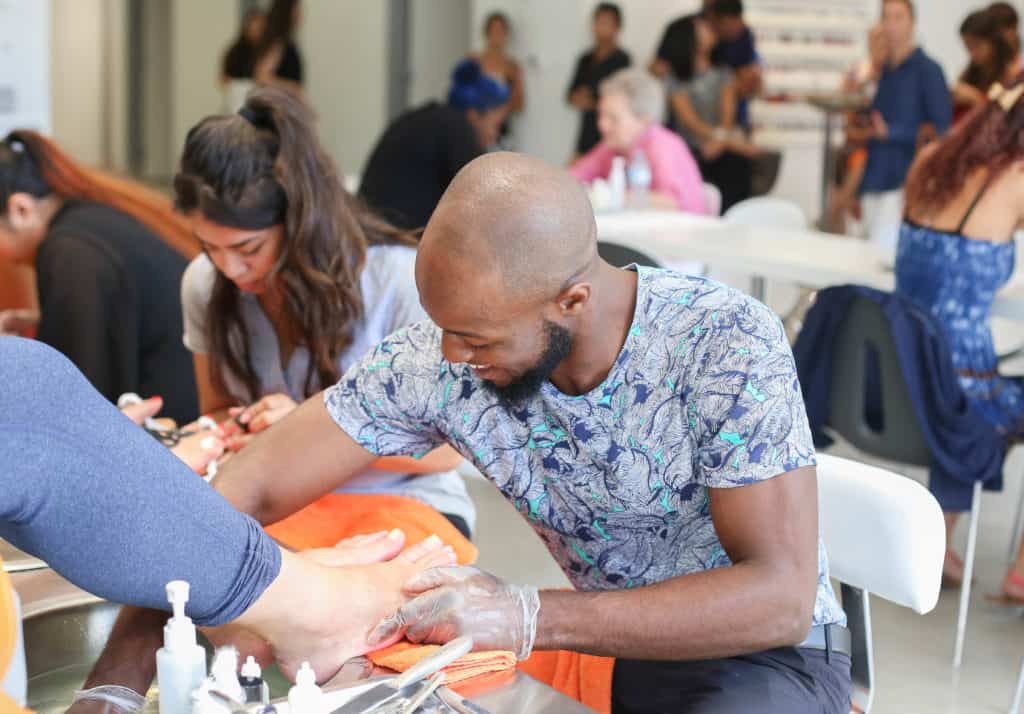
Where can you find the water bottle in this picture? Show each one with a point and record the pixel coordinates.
(617, 184)
(639, 180)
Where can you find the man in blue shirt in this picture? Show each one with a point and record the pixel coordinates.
(912, 105)
(736, 50)
(648, 425)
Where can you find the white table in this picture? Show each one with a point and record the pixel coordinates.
(809, 258)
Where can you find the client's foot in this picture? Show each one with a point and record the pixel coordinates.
(335, 607)
(359, 550)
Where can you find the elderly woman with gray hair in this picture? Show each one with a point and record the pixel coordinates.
(629, 111)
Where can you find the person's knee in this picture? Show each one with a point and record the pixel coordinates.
(32, 372)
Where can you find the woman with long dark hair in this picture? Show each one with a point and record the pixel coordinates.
(108, 256)
(992, 60)
(297, 281)
(238, 60)
(965, 199)
(703, 104)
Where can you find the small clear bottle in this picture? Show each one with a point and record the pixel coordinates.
(254, 688)
(305, 697)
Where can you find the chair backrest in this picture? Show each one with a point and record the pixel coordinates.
(620, 255)
(865, 363)
(884, 533)
(712, 199)
(768, 211)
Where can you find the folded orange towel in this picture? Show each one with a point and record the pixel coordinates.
(404, 655)
(585, 678)
(342, 515)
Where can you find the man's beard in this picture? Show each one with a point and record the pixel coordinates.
(557, 346)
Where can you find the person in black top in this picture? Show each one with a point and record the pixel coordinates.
(108, 283)
(422, 150)
(735, 49)
(594, 66)
(276, 59)
(238, 60)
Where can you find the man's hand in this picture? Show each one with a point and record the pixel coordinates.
(457, 601)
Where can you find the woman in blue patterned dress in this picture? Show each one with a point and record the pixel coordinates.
(965, 199)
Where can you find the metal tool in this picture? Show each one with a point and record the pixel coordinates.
(390, 689)
(458, 704)
(421, 696)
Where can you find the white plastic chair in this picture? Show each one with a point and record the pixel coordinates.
(712, 199)
(768, 211)
(885, 535)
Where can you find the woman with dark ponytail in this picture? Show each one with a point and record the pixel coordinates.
(297, 281)
(108, 256)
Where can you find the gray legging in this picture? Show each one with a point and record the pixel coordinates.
(110, 508)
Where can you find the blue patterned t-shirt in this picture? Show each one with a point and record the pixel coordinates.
(704, 394)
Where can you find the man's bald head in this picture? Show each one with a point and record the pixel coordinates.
(516, 220)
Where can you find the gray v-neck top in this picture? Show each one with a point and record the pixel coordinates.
(390, 302)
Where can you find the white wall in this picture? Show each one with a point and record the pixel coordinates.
(439, 38)
(344, 46)
(25, 65)
(77, 80)
(200, 32)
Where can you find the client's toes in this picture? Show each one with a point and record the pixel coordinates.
(361, 550)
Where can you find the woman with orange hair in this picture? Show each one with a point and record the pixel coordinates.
(109, 256)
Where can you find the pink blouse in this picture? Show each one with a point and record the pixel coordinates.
(673, 169)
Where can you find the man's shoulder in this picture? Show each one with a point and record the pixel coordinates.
(418, 343)
(673, 300)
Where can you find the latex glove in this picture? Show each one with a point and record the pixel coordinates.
(109, 698)
(455, 601)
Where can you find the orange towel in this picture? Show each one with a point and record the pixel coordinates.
(404, 655)
(336, 516)
(585, 678)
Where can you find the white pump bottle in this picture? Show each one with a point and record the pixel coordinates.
(181, 662)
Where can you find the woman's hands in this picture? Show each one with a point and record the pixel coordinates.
(250, 420)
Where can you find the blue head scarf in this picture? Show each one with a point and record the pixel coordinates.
(472, 89)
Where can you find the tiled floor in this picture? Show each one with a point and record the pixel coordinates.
(913, 653)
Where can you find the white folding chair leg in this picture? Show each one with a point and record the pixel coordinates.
(1018, 693)
(965, 589)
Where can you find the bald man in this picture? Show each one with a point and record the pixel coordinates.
(648, 425)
